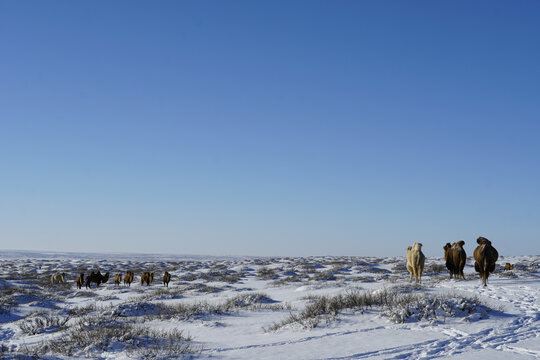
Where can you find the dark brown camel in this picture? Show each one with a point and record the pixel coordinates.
(456, 258)
(96, 278)
(485, 257)
(166, 279)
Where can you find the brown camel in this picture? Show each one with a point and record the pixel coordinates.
(456, 258)
(485, 257)
(117, 279)
(80, 280)
(166, 279)
(147, 278)
(128, 278)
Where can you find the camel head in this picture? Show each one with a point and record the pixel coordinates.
(483, 241)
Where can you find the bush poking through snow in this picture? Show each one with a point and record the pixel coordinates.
(508, 274)
(438, 268)
(163, 293)
(397, 306)
(39, 323)
(327, 308)
(265, 273)
(201, 309)
(436, 308)
(250, 300)
(324, 276)
(91, 336)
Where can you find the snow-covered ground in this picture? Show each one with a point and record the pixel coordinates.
(266, 308)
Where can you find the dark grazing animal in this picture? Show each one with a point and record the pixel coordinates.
(455, 258)
(80, 280)
(508, 266)
(128, 278)
(485, 257)
(147, 278)
(166, 279)
(96, 277)
(117, 279)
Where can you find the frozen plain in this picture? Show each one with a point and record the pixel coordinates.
(257, 308)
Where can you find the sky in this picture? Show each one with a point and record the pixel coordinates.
(269, 128)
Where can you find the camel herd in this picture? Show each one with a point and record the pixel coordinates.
(97, 278)
(485, 257)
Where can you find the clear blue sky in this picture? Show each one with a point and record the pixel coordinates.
(269, 127)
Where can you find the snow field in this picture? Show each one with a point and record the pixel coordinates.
(230, 308)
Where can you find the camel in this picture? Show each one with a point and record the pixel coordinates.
(508, 266)
(80, 280)
(117, 279)
(147, 278)
(415, 262)
(58, 278)
(96, 278)
(455, 258)
(485, 257)
(128, 278)
(166, 278)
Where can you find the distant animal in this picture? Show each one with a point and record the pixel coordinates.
(147, 278)
(415, 262)
(166, 279)
(128, 278)
(455, 258)
(508, 266)
(96, 277)
(117, 279)
(58, 278)
(80, 280)
(485, 257)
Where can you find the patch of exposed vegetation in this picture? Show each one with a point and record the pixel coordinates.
(91, 336)
(197, 310)
(438, 268)
(265, 273)
(394, 304)
(40, 322)
(324, 276)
